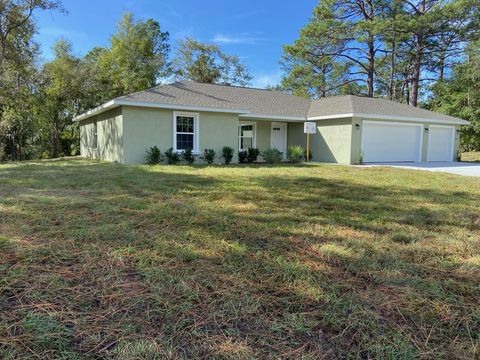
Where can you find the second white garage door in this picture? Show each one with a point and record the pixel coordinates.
(391, 142)
(441, 143)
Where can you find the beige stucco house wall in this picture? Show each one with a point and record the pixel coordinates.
(110, 137)
(124, 134)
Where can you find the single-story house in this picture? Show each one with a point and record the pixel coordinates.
(186, 114)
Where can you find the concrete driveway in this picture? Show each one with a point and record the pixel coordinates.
(458, 168)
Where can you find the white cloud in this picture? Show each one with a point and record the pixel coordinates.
(263, 80)
(237, 39)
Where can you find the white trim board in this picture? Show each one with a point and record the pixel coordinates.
(271, 117)
(389, 117)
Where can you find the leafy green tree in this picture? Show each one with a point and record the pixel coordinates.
(16, 20)
(435, 31)
(206, 63)
(336, 48)
(17, 122)
(460, 96)
(99, 86)
(60, 97)
(18, 75)
(136, 60)
(393, 48)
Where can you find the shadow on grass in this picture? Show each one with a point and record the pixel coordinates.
(186, 263)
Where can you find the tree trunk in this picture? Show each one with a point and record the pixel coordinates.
(391, 86)
(415, 78)
(418, 56)
(3, 45)
(371, 66)
(441, 67)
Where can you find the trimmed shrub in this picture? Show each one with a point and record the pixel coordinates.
(295, 154)
(227, 154)
(242, 157)
(172, 157)
(188, 156)
(153, 156)
(272, 156)
(252, 155)
(208, 156)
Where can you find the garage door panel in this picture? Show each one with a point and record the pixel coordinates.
(391, 142)
(440, 143)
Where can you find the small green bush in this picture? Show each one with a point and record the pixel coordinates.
(209, 156)
(272, 156)
(248, 156)
(295, 154)
(172, 157)
(242, 157)
(188, 156)
(227, 154)
(153, 156)
(252, 155)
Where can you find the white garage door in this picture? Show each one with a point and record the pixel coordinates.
(441, 143)
(391, 142)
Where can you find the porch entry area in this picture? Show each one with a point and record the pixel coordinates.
(279, 137)
(262, 134)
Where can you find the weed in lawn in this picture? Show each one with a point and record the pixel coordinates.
(403, 238)
(45, 331)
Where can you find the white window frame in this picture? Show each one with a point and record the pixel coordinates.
(196, 123)
(254, 139)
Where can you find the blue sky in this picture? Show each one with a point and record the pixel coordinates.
(253, 30)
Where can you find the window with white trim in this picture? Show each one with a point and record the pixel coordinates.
(246, 136)
(185, 131)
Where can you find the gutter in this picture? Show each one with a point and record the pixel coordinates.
(389, 117)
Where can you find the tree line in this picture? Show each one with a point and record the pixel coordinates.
(388, 48)
(39, 101)
(412, 51)
(420, 52)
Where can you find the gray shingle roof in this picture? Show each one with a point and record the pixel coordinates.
(358, 105)
(256, 101)
(269, 103)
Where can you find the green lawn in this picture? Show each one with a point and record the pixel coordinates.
(105, 260)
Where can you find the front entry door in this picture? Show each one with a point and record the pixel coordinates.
(279, 137)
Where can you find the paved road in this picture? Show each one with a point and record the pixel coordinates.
(458, 168)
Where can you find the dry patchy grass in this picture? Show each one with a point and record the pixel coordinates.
(133, 262)
(471, 156)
